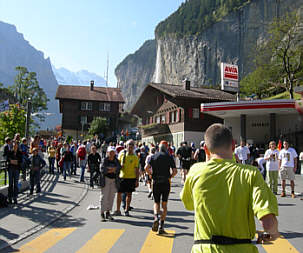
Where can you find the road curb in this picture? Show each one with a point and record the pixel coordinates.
(42, 226)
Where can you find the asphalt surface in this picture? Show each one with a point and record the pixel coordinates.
(81, 230)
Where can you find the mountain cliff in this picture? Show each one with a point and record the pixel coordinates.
(136, 71)
(192, 45)
(16, 51)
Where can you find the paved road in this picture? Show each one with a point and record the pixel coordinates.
(82, 231)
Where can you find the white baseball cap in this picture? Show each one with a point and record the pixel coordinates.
(111, 148)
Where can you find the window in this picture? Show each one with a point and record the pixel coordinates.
(162, 119)
(86, 106)
(83, 120)
(158, 119)
(173, 116)
(104, 107)
(196, 113)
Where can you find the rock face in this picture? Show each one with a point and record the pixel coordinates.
(136, 71)
(16, 51)
(231, 40)
(198, 58)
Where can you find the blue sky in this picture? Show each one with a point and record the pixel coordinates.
(77, 34)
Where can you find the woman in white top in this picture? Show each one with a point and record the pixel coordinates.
(272, 165)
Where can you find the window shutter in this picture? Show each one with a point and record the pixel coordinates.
(201, 115)
(178, 119)
(150, 120)
(190, 113)
(167, 118)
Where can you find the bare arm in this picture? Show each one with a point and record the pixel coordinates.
(196, 154)
(270, 224)
(296, 164)
(175, 171)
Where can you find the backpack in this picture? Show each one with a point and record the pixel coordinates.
(3, 201)
(82, 152)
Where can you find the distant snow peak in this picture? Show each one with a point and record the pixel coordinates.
(82, 77)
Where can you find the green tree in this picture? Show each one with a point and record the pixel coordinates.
(11, 122)
(256, 83)
(281, 55)
(26, 86)
(98, 125)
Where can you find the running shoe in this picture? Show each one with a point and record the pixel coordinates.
(155, 225)
(103, 217)
(283, 194)
(126, 213)
(161, 231)
(117, 213)
(293, 195)
(108, 216)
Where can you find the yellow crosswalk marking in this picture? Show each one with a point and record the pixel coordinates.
(103, 241)
(46, 240)
(281, 245)
(158, 243)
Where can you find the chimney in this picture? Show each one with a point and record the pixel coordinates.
(92, 85)
(186, 84)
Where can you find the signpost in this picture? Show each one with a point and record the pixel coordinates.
(229, 77)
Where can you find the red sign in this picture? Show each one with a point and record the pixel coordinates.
(231, 72)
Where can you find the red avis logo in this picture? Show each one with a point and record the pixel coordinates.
(231, 72)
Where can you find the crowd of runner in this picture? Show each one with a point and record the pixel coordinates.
(118, 168)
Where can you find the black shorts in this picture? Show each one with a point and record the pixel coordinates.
(161, 190)
(127, 185)
(185, 165)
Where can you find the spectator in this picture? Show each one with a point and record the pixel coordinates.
(14, 158)
(51, 151)
(67, 157)
(93, 160)
(272, 166)
(81, 154)
(25, 157)
(288, 165)
(110, 170)
(7, 147)
(243, 153)
(37, 163)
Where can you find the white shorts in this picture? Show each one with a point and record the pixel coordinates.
(287, 173)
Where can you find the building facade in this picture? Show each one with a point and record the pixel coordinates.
(79, 105)
(172, 112)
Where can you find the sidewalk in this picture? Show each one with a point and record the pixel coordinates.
(33, 213)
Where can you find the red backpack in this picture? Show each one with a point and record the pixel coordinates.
(81, 152)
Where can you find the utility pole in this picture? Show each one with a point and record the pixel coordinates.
(107, 69)
(28, 117)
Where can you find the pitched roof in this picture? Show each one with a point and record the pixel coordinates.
(178, 91)
(76, 92)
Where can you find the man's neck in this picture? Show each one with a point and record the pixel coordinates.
(221, 156)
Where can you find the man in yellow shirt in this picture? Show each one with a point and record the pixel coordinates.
(225, 197)
(129, 176)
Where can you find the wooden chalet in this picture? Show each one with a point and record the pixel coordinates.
(79, 105)
(172, 112)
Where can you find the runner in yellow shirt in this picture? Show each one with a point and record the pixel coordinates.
(225, 197)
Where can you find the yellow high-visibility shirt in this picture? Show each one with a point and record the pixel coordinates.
(129, 166)
(225, 197)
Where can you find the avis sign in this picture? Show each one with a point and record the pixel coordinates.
(229, 77)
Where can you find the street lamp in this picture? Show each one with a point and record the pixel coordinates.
(28, 117)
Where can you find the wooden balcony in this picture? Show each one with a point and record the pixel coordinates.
(154, 129)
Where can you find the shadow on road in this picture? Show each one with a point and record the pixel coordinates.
(291, 235)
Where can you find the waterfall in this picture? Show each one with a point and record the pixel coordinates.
(157, 75)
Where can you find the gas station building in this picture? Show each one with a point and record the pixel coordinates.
(260, 121)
